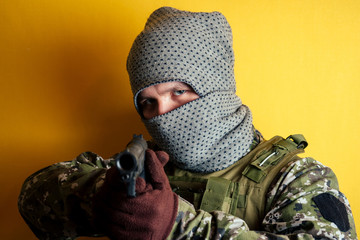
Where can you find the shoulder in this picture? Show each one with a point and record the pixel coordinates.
(308, 191)
(310, 169)
(303, 174)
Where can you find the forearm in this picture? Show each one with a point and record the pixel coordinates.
(56, 201)
(191, 224)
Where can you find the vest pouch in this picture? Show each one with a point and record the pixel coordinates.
(217, 195)
(257, 170)
(191, 189)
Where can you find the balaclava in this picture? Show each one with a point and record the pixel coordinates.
(214, 131)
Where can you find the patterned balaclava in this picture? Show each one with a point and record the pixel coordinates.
(214, 131)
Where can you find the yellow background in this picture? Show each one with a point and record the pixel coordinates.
(64, 87)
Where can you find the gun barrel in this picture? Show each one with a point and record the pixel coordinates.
(130, 162)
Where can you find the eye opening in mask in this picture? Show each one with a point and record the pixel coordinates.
(163, 97)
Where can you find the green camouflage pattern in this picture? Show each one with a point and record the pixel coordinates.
(56, 201)
(56, 204)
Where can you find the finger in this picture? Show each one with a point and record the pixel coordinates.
(113, 179)
(163, 157)
(141, 186)
(155, 170)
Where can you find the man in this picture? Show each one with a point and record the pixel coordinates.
(226, 181)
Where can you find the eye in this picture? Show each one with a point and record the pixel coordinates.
(179, 92)
(146, 101)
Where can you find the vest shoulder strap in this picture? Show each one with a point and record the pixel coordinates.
(262, 172)
(283, 149)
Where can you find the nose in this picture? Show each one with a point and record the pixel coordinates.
(165, 105)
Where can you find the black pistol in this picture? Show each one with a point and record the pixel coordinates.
(130, 163)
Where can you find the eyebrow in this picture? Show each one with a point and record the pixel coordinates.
(180, 85)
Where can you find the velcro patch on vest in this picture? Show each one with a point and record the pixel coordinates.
(333, 210)
(215, 194)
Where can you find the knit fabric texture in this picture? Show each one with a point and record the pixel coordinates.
(214, 131)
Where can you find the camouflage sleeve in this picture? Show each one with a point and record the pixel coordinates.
(192, 224)
(304, 203)
(56, 201)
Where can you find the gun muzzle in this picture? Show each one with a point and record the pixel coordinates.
(130, 163)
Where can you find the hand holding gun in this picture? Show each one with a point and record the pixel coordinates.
(149, 215)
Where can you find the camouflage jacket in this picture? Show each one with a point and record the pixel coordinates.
(303, 203)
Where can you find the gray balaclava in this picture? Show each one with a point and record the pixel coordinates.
(214, 131)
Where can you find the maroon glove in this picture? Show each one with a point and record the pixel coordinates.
(149, 215)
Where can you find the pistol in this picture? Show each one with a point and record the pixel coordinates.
(130, 163)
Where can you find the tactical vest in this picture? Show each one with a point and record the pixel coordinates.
(241, 189)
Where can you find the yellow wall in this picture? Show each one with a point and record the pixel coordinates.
(64, 88)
